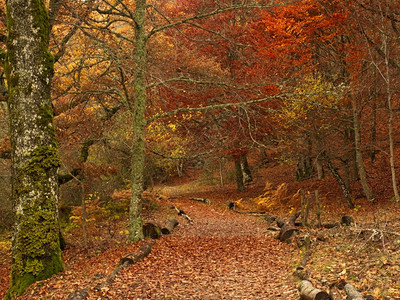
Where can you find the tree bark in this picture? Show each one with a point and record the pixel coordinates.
(169, 226)
(318, 210)
(359, 156)
(320, 168)
(125, 262)
(339, 179)
(84, 214)
(305, 207)
(35, 159)
(221, 174)
(373, 125)
(352, 293)
(239, 174)
(139, 124)
(287, 227)
(308, 292)
(204, 200)
(390, 122)
(247, 177)
(151, 230)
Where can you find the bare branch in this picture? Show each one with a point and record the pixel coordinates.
(218, 10)
(213, 107)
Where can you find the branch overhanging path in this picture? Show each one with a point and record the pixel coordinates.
(219, 255)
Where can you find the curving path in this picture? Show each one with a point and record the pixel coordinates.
(221, 255)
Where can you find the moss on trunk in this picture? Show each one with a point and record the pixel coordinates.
(139, 124)
(35, 158)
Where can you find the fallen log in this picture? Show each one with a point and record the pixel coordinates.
(300, 273)
(250, 213)
(286, 232)
(151, 230)
(271, 228)
(232, 206)
(308, 292)
(169, 226)
(352, 293)
(269, 218)
(125, 262)
(331, 225)
(287, 227)
(280, 222)
(183, 214)
(81, 294)
(204, 200)
(307, 252)
(293, 218)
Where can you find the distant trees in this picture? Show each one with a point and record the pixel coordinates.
(311, 54)
(143, 59)
(349, 47)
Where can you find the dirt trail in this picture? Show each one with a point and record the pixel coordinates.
(221, 255)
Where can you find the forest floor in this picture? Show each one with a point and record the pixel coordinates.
(227, 255)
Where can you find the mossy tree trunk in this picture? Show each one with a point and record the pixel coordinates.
(35, 158)
(139, 124)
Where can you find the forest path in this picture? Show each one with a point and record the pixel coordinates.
(221, 255)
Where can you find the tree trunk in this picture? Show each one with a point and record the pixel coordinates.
(359, 156)
(84, 214)
(239, 174)
(221, 174)
(349, 160)
(339, 179)
(373, 125)
(139, 124)
(35, 159)
(318, 209)
(319, 160)
(390, 122)
(320, 168)
(353, 154)
(304, 163)
(179, 167)
(305, 207)
(244, 164)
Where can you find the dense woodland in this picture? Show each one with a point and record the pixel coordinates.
(105, 101)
